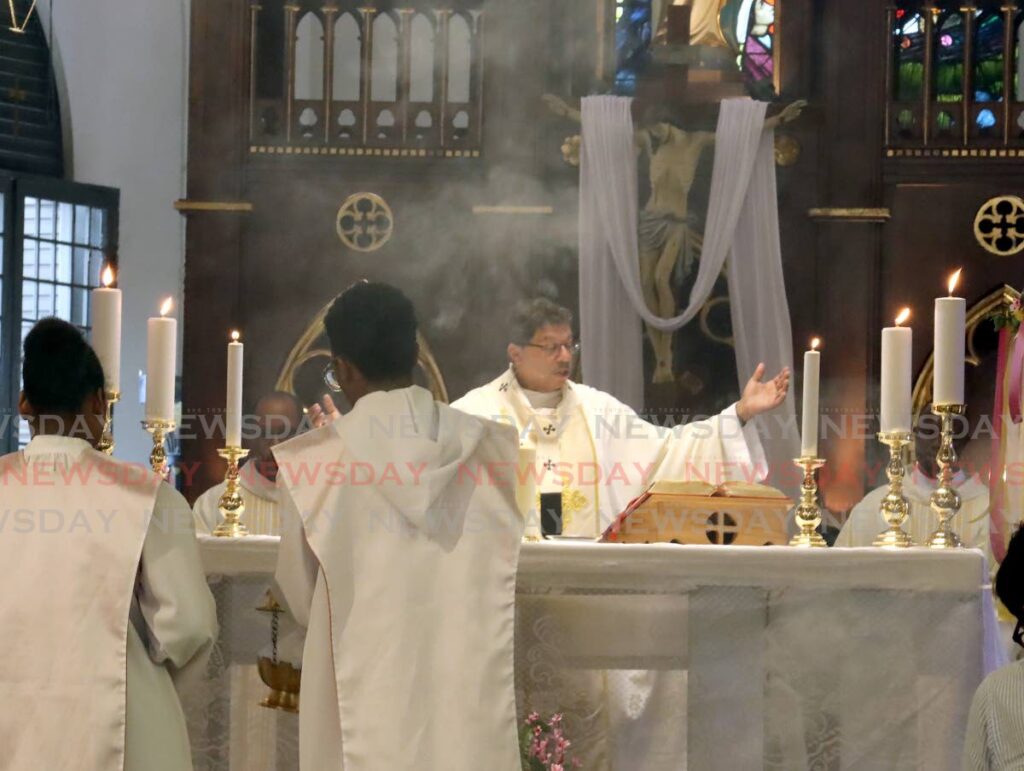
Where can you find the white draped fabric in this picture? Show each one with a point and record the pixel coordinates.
(742, 222)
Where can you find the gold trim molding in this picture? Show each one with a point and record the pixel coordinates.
(962, 153)
(186, 206)
(306, 349)
(850, 214)
(513, 210)
(975, 316)
(382, 152)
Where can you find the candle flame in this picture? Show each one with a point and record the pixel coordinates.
(108, 276)
(166, 307)
(903, 316)
(954, 280)
(815, 342)
(234, 335)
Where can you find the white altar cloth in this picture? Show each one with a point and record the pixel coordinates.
(787, 658)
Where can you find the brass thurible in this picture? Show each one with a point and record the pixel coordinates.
(106, 443)
(283, 679)
(231, 504)
(945, 501)
(895, 507)
(808, 512)
(159, 429)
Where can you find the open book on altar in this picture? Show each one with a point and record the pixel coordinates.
(695, 512)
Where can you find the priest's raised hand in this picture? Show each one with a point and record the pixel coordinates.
(762, 396)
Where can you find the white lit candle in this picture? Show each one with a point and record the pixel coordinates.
(809, 418)
(897, 347)
(233, 428)
(161, 359)
(106, 330)
(950, 336)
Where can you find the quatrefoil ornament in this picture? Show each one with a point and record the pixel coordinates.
(999, 225)
(365, 222)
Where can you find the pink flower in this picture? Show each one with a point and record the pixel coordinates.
(548, 743)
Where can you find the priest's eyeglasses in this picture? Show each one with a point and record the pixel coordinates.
(330, 378)
(553, 349)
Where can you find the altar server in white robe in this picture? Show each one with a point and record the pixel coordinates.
(105, 606)
(401, 565)
(595, 450)
(279, 416)
(971, 523)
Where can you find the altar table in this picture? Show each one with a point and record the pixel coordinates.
(672, 657)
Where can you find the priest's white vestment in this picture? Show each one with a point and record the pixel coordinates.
(971, 523)
(262, 515)
(105, 607)
(601, 455)
(402, 564)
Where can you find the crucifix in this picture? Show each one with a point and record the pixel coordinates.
(669, 235)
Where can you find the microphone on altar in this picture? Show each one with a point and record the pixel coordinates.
(550, 514)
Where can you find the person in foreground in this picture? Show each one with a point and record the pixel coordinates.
(400, 564)
(105, 605)
(995, 727)
(593, 449)
(279, 418)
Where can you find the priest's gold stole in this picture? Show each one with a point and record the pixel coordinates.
(736, 513)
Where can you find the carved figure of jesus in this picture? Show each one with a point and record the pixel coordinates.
(667, 227)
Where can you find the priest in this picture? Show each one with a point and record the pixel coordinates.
(399, 563)
(278, 416)
(592, 450)
(105, 605)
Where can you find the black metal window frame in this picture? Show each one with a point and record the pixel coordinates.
(15, 188)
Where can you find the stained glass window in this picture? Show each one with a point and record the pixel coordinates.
(908, 43)
(949, 57)
(988, 56)
(632, 42)
(755, 34)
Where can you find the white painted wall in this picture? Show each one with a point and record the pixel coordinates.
(122, 73)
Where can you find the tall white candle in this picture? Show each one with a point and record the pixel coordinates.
(233, 428)
(897, 348)
(950, 336)
(809, 417)
(161, 356)
(106, 330)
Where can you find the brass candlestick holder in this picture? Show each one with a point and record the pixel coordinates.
(895, 507)
(159, 428)
(808, 512)
(945, 500)
(106, 443)
(231, 504)
(283, 679)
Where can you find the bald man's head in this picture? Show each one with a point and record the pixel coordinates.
(280, 416)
